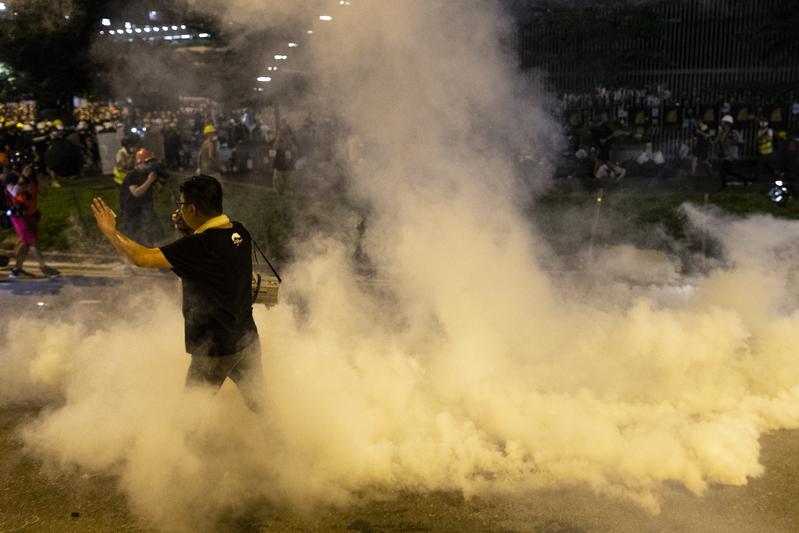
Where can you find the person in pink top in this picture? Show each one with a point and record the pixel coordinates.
(22, 193)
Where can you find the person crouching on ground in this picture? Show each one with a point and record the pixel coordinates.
(22, 192)
(214, 261)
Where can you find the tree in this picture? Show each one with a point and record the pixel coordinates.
(45, 45)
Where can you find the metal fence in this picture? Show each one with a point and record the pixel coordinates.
(692, 46)
(679, 60)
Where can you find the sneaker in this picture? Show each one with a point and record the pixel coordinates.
(50, 272)
(19, 273)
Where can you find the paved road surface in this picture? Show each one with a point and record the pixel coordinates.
(34, 498)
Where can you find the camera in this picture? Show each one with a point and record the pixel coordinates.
(17, 210)
(161, 175)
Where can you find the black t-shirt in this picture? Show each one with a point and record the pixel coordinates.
(129, 203)
(216, 269)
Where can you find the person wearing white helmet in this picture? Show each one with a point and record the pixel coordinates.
(728, 141)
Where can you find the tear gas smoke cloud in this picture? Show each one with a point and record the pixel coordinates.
(480, 373)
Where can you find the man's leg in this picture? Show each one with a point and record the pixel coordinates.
(206, 371)
(248, 375)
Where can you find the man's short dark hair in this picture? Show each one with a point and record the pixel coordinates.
(205, 192)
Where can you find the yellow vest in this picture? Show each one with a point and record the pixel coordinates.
(119, 175)
(766, 144)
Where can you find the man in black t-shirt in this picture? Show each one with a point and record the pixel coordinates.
(214, 262)
(136, 201)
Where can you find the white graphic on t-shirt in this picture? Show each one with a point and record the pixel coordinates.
(236, 238)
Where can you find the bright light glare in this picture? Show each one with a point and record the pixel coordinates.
(174, 27)
(137, 30)
(281, 57)
(309, 32)
(204, 35)
(156, 28)
(264, 79)
(147, 29)
(104, 22)
(3, 6)
(293, 45)
(127, 24)
(326, 18)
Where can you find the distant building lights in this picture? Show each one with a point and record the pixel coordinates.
(325, 18)
(153, 15)
(147, 29)
(165, 28)
(102, 32)
(204, 35)
(128, 31)
(127, 24)
(309, 32)
(105, 22)
(156, 28)
(264, 79)
(293, 45)
(182, 26)
(137, 30)
(185, 36)
(174, 28)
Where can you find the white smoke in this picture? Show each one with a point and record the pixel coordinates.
(471, 368)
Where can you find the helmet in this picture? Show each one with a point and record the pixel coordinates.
(143, 155)
(728, 119)
(209, 129)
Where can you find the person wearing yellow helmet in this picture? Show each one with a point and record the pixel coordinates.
(207, 160)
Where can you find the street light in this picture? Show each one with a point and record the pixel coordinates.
(325, 18)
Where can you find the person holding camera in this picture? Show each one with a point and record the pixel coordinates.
(136, 200)
(213, 258)
(22, 195)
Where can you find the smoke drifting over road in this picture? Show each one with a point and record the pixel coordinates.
(480, 372)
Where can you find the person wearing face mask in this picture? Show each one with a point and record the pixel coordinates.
(136, 199)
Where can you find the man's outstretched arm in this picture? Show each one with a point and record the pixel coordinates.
(139, 255)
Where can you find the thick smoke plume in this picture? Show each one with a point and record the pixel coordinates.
(471, 368)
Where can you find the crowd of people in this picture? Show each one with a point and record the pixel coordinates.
(719, 133)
